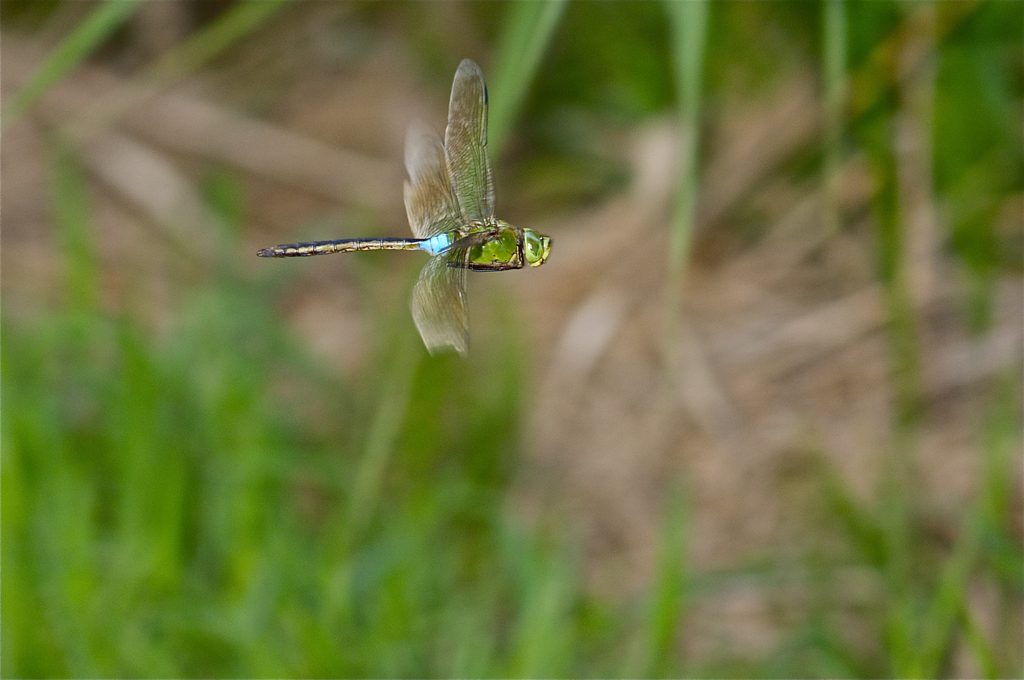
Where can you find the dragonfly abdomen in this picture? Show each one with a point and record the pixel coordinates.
(341, 245)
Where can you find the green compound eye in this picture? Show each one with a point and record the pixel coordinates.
(535, 247)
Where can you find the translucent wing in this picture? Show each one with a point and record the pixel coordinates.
(439, 305)
(430, 202)
(465, 140)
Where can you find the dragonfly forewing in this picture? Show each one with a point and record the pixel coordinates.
(430, 201)
(465, 141)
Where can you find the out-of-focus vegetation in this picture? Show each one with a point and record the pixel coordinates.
(195, 493)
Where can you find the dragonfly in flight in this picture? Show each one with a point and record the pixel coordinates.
(449, 199)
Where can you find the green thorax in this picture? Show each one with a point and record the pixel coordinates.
(500, 246)
(502, 249)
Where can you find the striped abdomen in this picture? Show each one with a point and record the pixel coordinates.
(341, 245)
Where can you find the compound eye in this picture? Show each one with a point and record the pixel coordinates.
(533, 247)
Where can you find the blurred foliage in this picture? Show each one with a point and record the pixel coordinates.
(978, 138)
(207, 500)
(89, 33)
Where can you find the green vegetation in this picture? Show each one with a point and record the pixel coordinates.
(202, 498)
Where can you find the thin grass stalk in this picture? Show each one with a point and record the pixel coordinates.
(545, 627)
(73, 223)
(1000, 447)
(670, 594)
(71, 52)
(835, 80)
(909, 249)
(688, 30)
(688, 22)
(528, 32)
(946, 607)
(974, 639)
(200, 49)
(914, 124)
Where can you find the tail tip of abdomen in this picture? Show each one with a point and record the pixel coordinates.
(267, 252)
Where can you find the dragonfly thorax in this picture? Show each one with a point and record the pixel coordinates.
(499, 246)
(502, 249)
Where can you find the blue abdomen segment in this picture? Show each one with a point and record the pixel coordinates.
(435, 245)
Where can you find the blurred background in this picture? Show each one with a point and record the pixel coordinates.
(759, 415)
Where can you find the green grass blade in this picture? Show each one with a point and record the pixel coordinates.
(71, 214)
(545, 630)
(984, 653)
(234, 25)
(688, 33)
(947, 606)
(669, 593)
(835, 78)
(530, 27)
(103, 21)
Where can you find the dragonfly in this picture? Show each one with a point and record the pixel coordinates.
(449, 200)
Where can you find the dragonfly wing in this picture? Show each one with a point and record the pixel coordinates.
(439, 305)
(465, 140)
(430, 202)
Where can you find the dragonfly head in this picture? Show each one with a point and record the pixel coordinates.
(536, 248)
